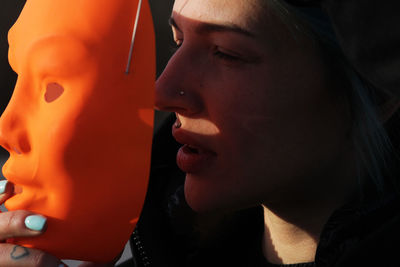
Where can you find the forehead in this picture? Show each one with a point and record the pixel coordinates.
(84, 17)
(244, 13)
(90, 22)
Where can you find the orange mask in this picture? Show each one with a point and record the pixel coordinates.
(78, 128)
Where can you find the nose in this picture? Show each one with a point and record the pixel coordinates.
(13, 134)
(177, 88)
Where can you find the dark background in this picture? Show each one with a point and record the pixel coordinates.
(9, 11)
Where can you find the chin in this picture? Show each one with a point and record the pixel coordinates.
(201, 199)
(198, 200)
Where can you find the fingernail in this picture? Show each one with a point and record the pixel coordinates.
(35, 222)
(3, 186)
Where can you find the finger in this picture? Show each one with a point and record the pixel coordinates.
(6, 190)
(21, 223)
(16, 256)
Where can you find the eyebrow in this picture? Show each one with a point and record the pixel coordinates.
(40, 46)
(206, 28)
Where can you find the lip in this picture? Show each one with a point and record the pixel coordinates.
(13, 172)
(18, 189)
(194, 156)
(12, 177)
(21, 198)
(24, 195)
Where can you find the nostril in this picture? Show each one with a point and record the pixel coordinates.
(16, 141)
(16, 150)
(19, 146)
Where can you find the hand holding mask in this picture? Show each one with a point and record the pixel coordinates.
(79, 124)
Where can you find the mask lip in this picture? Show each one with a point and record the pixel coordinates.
(128, 65)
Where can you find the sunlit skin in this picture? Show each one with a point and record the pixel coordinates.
(78, 128)
(265, 115)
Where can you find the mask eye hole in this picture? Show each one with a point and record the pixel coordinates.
(53, 92)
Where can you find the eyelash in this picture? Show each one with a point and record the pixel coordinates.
(217, 53)
(226, 57)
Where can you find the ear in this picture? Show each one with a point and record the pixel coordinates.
(388, 108)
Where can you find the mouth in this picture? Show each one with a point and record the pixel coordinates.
(21, 199)
(193, 149)
(18, 189)
(193, 160)
(22, 195)
(14, 179)
(194, 156)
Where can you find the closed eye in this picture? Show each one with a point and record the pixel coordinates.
(224, 56)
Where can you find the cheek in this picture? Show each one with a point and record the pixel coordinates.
(279, 136)
(53, 124)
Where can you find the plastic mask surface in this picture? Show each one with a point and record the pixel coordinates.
(78, 129)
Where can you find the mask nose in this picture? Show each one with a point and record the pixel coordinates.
(13, 135)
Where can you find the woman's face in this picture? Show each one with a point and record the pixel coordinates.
(260, 116)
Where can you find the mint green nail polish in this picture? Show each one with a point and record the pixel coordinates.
(35, 222)
(3, 185)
